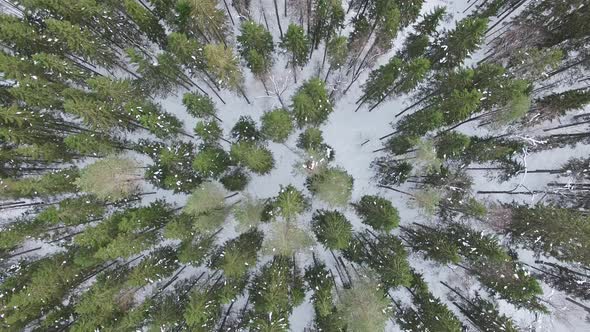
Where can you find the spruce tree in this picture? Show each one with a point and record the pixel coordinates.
(311, 104)
(332, 229)
(256, 47)
(295, 42)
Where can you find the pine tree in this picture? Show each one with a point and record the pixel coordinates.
(456, 45)
(289, 203)
(277, 125)
(248, 214)
(256, 158)
(111, 179)
(202, 19)
(377, 212)
(237, 255)
(235, 180)
(223, 65)
(295, 42)
(331, 185)
(430, 313)
(278, 288)
(244, 130)
(256, 47)
(327, 317)
(554, 231)
(311, 104)
(364, 307)
(172, 166)
(199, 106)
(211, 162)
(332, 229)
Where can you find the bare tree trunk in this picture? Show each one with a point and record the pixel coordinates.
(278, 18)
(228, 12)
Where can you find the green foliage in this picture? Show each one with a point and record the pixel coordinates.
(277, 125)
(433, 244)
(195, 251)
(211, 162)
(461, 42)
(47, 185)
(275, 289)
(431, 314)
(235, 180)
(311, 105)
(73, 211)
(377, 212)
(337, 51)
(295, 42)
(205, 199)
(289, 203)
(49, 280)
(256, 47)
(385, 254)
(89, 144)
(199, 105)
(555, 231)
(209, 131)
(224, 66)
(202, 310)
(451, 144)
(331, 185)
(364, 307)
(238, 255)
(327, 317)
(110, 179)
(332, 229)
(172, 168)
(158, 265)
(256, 158)
(248, 214)
(286, 239)
(244, 130)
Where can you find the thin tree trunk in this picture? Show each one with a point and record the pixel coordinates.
(228, 12)
(396, 190)
(278, 18)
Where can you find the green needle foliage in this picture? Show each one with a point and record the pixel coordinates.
(311, 105)
(377, 212)
(235, 180)
(238, 255)
(256, 47)
(248, 214)
(332, 229)
(364, 307)
(289, 203)
(49, 184)
(277, 125)
(207, 198)
(331, 185)
(256, 158)
(198, 105)
(111, 179)
(211, 162)
(286, 239)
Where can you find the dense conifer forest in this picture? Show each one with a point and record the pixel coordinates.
(296, 165)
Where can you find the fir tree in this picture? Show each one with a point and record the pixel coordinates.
(332, 229)
(311, 104)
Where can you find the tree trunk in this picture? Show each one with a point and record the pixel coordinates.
(566, 125)
(278, 18)
(228, 12)
(396, 190)
(505, 16)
